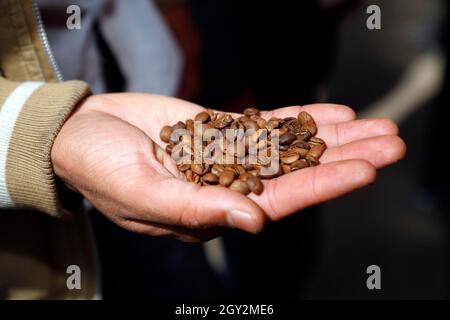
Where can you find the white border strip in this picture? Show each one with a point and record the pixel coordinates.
(9, 113)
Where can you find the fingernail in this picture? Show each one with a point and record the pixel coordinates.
(242, 220)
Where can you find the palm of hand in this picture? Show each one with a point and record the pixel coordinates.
(110, 151)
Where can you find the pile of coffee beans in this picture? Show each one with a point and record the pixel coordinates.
(243, 150)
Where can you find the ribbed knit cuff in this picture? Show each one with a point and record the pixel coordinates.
(31, 116)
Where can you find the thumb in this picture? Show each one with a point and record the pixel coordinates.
(175, 202)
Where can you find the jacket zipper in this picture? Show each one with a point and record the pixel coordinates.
(44, 40)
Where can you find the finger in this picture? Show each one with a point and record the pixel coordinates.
(322, 113)
(298, 190)
(344, 132)
(184, 204)
(379, 151)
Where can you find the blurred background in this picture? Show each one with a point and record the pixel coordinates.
(274, 53)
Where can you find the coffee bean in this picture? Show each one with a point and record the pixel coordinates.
(316, 151)
(272, 124)
(183, 167)
(227, 177)
(200, 169)
(255, 185)
(239, 186)
(307, 122)
(202, 117)
(179, 125)
(251, 111)
(283, 130)
(286, 168)
(304, 135)
(251, 125)
(261, 123)
(300, 144)
(289, 157)
(287, 138)
(211, 179)
(165, 133)
(300, 151)
(222, 121)
(217, 169)
(244, 176)
(316, 141)
(299, 164)
(169, 148)
(304, 117)
(312, 162)
(242, 119)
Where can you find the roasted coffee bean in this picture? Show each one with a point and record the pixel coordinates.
(200, 169)
(293, 126)
(316, 151)
(211, 179)
(202, 117)
(179, 125)
(307, 122)
(286, 168)
(301, 152)
(183, 167)
(255, 185)
(261, 123)
(165, 133)
(283, 130)
(169, 148)
(299, 164)
(272, 124)
(217, 169)
(236, 125)
(316, 141)
(243, 119)
(239, 169)
(251, 112)
(304, 135)
(255, 117)
(304, 117)
(227, 177)
(251, 125)
(312, 162)
(239, 186)
(193, 177)
(289, 157)
(300, 144)
(244, 176)
(287, 138)
(222, 121)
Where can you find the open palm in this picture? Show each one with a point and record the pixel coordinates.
(110, 151)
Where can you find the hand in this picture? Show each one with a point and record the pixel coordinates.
(110, 151)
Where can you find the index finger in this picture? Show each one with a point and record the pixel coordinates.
(300, 189)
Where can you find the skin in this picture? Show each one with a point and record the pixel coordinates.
(109, 150)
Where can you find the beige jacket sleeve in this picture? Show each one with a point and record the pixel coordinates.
(31, 115)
